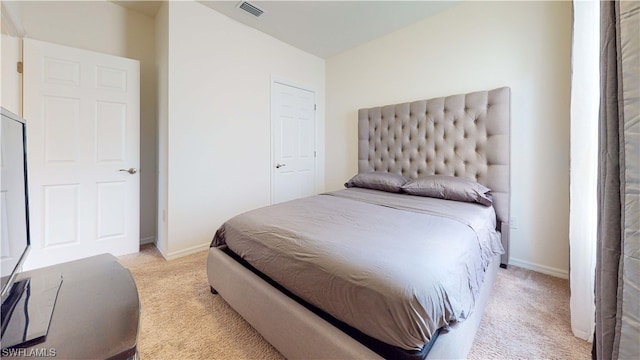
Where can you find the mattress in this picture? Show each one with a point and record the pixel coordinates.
(396, 267)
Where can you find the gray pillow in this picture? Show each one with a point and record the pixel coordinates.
(450, 188)
(378, 180)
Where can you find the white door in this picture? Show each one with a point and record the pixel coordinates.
(293, 128)
(83, 121)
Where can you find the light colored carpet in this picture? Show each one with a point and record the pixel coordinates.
(527, 316)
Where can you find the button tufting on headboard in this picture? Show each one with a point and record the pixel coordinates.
(459, 135)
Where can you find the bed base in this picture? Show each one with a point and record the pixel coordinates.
(299, 333)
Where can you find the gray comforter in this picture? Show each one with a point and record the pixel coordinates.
(396, 267)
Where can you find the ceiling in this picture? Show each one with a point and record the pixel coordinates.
(322, 28)
(149, 8)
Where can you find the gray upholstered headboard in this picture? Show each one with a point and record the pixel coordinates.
(460, 135)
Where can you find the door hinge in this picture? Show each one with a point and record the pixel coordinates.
(314, 154)
(19, 67)
(315, 107)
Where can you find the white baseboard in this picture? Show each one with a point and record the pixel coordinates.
(164, 255)
(148, 240)
(185, 252)
(564, 274)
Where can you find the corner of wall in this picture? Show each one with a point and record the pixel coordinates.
(11, 22)
(11, 87)
(162, 103)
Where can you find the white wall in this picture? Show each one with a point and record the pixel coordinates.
(476, 46)
(10, 54)
(218, 131)
(107, 28)
(162, 76)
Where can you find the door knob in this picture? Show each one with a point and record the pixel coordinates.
(278, 166)
(130, 170)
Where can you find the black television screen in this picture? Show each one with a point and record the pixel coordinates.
(27, 306)
(14, 214)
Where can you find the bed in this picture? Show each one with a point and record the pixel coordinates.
(401, 262)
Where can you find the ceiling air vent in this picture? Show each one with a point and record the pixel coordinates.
(250, 8)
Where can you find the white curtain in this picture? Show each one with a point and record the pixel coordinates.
(585, 95)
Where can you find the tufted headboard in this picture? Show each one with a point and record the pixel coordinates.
(460, 135)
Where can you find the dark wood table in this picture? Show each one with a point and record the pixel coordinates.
(97, 311)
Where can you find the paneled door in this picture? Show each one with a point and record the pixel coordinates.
(82, 110)
(293, 141)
